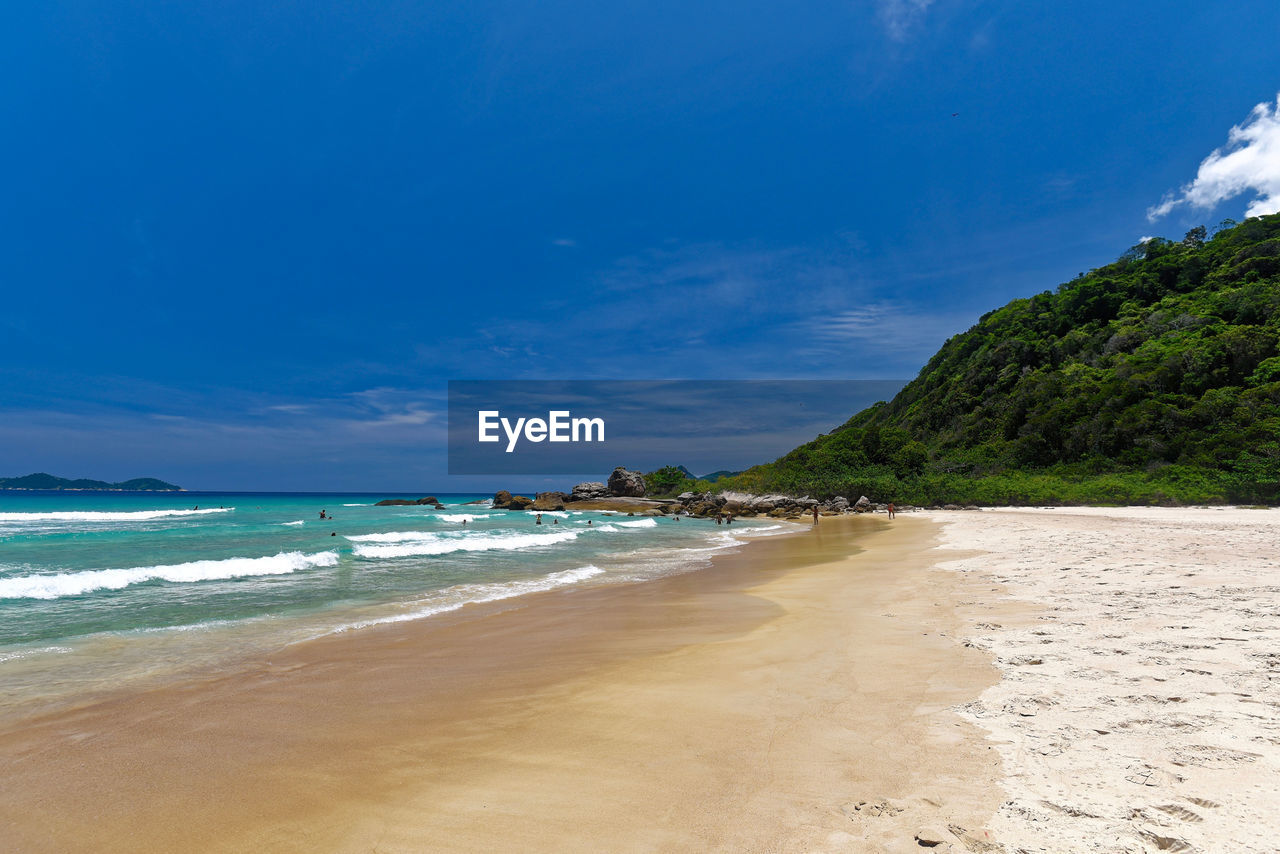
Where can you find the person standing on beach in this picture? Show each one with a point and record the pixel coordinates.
(891, 510)
(815, 514)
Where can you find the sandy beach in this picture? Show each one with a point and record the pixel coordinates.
(792, 697)
(1026, 680)
(1139, 708)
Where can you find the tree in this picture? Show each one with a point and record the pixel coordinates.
(664, 480)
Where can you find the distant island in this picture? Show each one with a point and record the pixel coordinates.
(40, 480)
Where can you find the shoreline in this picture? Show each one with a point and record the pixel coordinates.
(755, 703)
(50, 676)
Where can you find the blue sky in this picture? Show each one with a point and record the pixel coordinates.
(244, 245)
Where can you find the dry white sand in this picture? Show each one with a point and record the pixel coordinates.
(1140, 704)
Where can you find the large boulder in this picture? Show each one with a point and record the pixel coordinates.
(549, 501)
(625, 483)
(503, 500)
(589, 490)
(402, 502)
(862, 505)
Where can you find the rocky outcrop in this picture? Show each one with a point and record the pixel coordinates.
(503, 500)
(774, 504)
(589, 490)
(625, 491)
(430, 501)
(624, 483)
(549, 501)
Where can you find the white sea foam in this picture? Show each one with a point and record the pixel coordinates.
(24, 653)
(439, 544)
(357, 505)
(299, 522)
(78, 583)
(396, 536)
(456, 517)
(106, 515)
(453, 598)
(639, 523)
(562, 514)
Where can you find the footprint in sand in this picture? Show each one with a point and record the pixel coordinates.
(871, 809)
(1181, 813)
(1165, 843)
(1145, 775)
(1204, 802)
(1208, 756)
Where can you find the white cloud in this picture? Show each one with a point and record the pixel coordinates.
(1248, 163)
(900, 16)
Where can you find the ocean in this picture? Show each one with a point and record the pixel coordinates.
(101, 591)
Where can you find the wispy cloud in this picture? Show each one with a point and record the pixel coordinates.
(900, 17)
(888, 329)
(1248, 163)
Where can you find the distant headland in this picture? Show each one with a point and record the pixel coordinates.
(40, 480)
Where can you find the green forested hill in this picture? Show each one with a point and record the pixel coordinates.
(1152, 379)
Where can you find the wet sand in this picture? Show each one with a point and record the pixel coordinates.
(797, 696)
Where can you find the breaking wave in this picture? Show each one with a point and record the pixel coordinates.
(411, 543)
(79, 583)
(106, 515)
(456, 597)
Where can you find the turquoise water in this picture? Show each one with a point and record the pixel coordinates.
(100, 588)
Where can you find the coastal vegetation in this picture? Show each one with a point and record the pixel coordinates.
(1152, 380)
